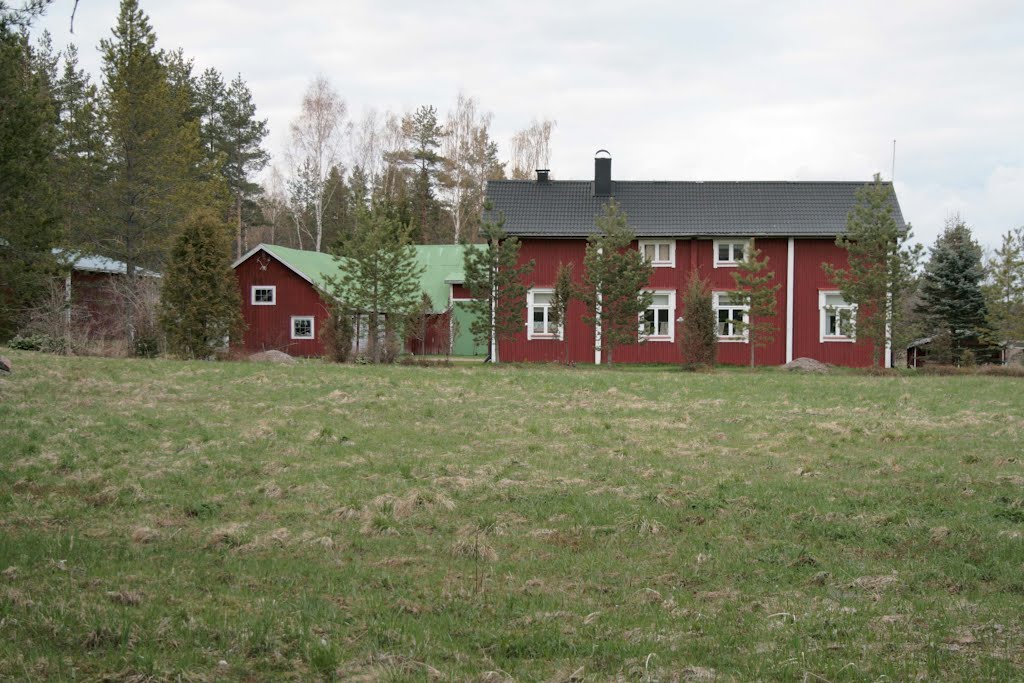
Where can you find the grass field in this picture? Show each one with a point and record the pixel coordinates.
(164, 520)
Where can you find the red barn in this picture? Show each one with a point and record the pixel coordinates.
(284, 304)
(686, 227)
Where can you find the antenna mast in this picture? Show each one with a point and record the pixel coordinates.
(892, 177)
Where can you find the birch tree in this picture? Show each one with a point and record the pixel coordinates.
(465, 148)
(317, 138)
(531, 149)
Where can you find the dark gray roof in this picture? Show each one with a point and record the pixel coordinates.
(567, 208)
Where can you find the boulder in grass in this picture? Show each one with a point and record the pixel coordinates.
(5, 365)
(806, 365)
(272, 357)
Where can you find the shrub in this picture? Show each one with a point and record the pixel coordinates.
(698, 331)
(336, 334)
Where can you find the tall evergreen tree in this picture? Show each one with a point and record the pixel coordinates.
(613, 283)
(79, 155)
(1004, 292)
(880, 271)
(200, 307)
(28, 204)
(496, 281)
(154, 159)
(952, 300)
(424, 134)
(232, 137)
(755, 291)
(380, 278)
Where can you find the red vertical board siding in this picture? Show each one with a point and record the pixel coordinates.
(547, 254)
(270, 327)
(809, 278)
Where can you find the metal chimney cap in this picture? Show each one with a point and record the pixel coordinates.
(543, 175)
(598, 153)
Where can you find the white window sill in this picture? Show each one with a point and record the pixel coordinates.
(726, 264)
(825, 340)
(662, 264)
(732, 340)
(264, 303)
(656, 339)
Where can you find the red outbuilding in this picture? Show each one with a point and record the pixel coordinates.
(682, 228)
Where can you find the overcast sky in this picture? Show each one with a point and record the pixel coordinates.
(675, 90)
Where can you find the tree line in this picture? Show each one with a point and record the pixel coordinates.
(117, 166)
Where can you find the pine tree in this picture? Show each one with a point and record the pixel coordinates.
(200, 307)
(232, 137)
(755, 291)
(380, 278)
(79, 155)
(495, 280)
(1004, 292)
(157, 174)
(699, 329)
(951, 295)
(613, 282)
(881, 267)
(424, 134)
(564, 293)
(28, 204)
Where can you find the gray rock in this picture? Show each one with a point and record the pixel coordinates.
(272, 357)
(5, 365)
(806, 365)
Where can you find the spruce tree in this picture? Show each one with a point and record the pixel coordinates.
(754, 289)
(952, 300)
(200, 307)
(881, 265)
(424, 134)
(613, 282)
(380, 278)
(564, 293)
(496, 281)
(700, 328)
(28, 204)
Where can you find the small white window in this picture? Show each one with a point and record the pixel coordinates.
(838, 318)
(657, 323)
(729, 252)
(264, 295)
(728, 314)
(302, 327)
(659, 254)
(538, 322)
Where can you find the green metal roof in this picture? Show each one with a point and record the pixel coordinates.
(442, 265)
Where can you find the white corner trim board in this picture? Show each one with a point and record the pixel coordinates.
(790, 271)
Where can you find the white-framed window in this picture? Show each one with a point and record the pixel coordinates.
(302, 327)
(837, 317)
(657, 323)
(264, 295)
(727, 313)
(730, 252)
(659, 253)
(538, 312)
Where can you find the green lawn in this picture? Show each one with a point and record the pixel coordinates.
(207, 521)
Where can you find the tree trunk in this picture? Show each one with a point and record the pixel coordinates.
(238, 225)
(750, 340)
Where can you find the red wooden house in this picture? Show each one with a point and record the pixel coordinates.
(683, 227)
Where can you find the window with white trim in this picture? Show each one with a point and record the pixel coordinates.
(729, 252)
(538, 311)
(657, 322)
(264, 295)
(838, 318)
(302, 327)
(728, 313)
(660, 254)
